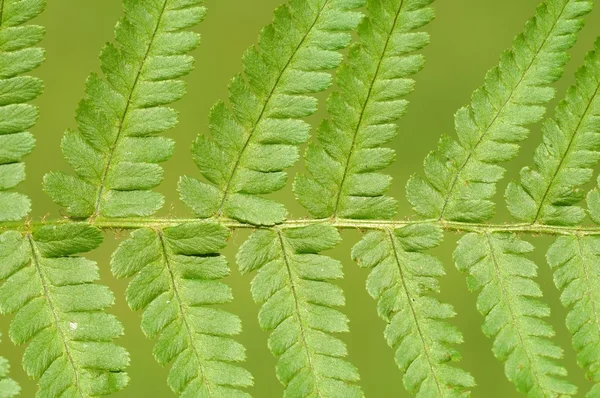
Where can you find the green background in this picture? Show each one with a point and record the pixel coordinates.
(467, 38)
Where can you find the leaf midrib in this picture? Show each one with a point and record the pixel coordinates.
(563, 158)
(449, 195)
(515, 323)
(238, 161)
(414, 312)
(298, 313)
(112, 149)
(35, 259)
(181, 307)
(364, 108)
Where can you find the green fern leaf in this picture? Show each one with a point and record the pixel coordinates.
(17, 56)
(566, 157)
(254, 142)
(508, 300)
(576, 264)
(593, 203)
(8, 387)
(59, 312)
(344, 179)
(293, 285)
(115, 153)
(177, 282)
(400, 280)
(461, 176)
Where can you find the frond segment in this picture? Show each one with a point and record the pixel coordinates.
(566, 158)
(576, 264)
(593, 203)
(508, 300)
(59, 312)
(177, 282)
(293, 284)
(460, 177)
(18, 55)
(8, 387)
(401, 279)
(254, 142)
(344, 178)
(115, 151)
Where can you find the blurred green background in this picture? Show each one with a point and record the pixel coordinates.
(467, 38)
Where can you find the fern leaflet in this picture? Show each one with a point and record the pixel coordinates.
(293, 284)
(549, 195)
(59, 311)
(254, 142)
(17, 56)
(176, 281)
(8, 387)
(344, 179)
(115, 153)
(566, 157)
(461, 176)
(576, 268)
(508, 300)
(401, 276)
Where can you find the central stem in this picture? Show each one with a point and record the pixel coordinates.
(381, 225)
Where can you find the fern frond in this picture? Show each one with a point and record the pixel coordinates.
(293, 284)
(461, 176)
(344, 180)
(258, 138)
(17, 56)
(508, 300)
(401, 279)
(59, 312)
(177, 281)
(115, 153)
(565, 159)
(8, 387)
(576, 264)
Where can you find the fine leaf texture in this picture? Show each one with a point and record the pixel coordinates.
(576, 264)
(509, 302)
(251, 144)
(593, 203)
(115, 150)
(461, 176)
(401, 279)
(565, 159)
(8, 387)
(17, 56)
(344, 178)
(294, 286)
(59, 312)
(177, 276)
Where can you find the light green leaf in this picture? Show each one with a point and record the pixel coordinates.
(461, 176)
(294, 286)
(17, 56)
(565, 159)
(344, 179)
(59, 312)
(114, 153)
(576, 264)
(402, 279)
(593, 203)
(252, 144)
(8, 387)
(177, 282)
(509, 300)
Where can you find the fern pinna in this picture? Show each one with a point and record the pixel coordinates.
(366, 54)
